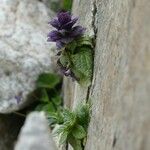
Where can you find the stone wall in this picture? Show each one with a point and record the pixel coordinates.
(120, 90)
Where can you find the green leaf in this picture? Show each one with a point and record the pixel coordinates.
(79, 132)
(47, 80)
(63, 137)
(64, 59)
(51, 121)
(47, 107)
(59, 129)
(39, 107)
(57, 116)
(75, 143)
(83, 114)
(82, 65)
(57, 100)
(69, 117)
(44, 96)
(71, 46)
(85, 41)
(67, 4)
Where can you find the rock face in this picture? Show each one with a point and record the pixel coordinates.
(120, 90)
(35, 134)
(53, 4)
(24, 52)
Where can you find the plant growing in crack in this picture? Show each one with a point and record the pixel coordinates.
(75, 58)
(69, 126)
(72, 126)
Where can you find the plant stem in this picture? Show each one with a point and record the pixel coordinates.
(19, 114)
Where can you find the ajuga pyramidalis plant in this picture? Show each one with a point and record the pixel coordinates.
(74, 49)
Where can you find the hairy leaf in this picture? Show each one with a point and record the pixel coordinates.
(75, 143)
(69, 117)
(56, 117)
(58, 129)
(47, 80)
(82, 65)
(71, 46)
(64, 59)
(79, 132)
(85, 41)
(83, 114)
(63, 137)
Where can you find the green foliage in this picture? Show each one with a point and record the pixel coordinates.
(79, 132)
(63, 137)
(49, 97)
(75, 143)
(67, 5)
(78, 57)
(82, 112)
(73, 129)
(57, 5)
(85, 41)
(47, 80)
(70, 126)
(82, 65)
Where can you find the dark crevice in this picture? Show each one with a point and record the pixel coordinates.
(66, 146)
(10, 125)
(114, 142)
(94, 19)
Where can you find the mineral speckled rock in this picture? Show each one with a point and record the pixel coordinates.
(24, 51)
(35, 134)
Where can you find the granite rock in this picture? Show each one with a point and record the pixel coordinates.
(24, 51)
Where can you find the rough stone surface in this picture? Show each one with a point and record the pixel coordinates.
(121, 82)
(24, 51)
(9, 128)
(53, 4)
(35, 134)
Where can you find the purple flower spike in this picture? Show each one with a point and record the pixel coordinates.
(66, 31)
(54, 36)
(64, 17)
(55, 23)
(70, 24)
(64, 20)
(77, 31)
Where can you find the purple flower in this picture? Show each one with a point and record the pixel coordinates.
(65, 30)
(64, 20)
(54, 36)
(66, 71)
